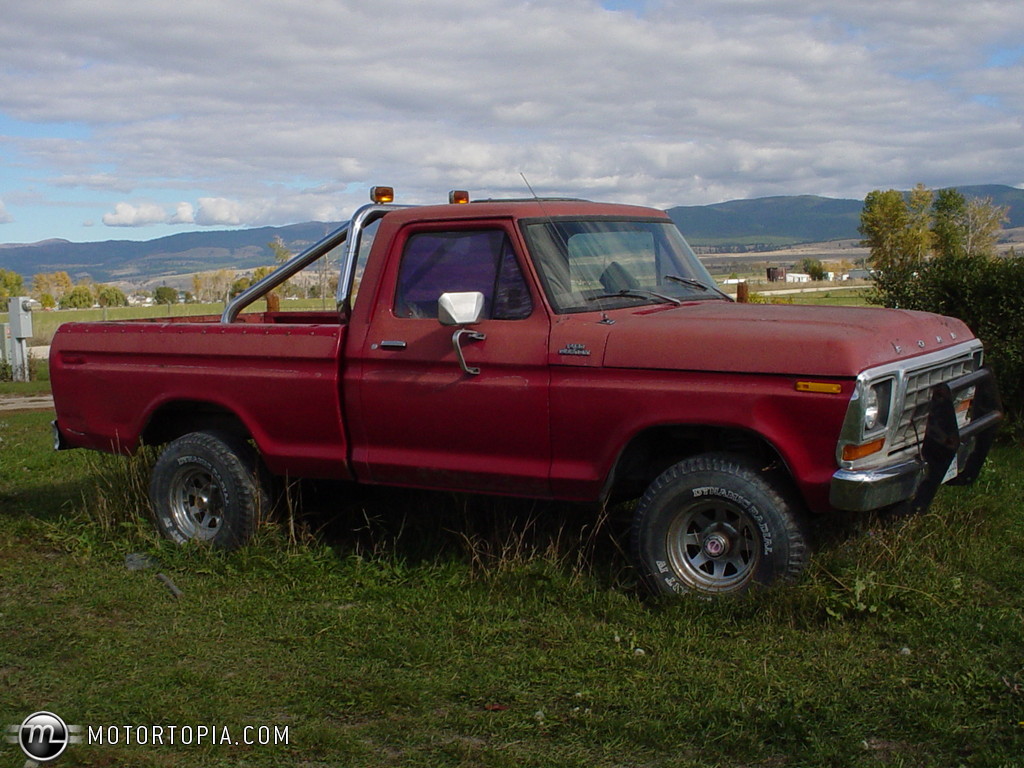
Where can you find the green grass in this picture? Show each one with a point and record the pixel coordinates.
(431, 630)
(855, 297)
(38, 385)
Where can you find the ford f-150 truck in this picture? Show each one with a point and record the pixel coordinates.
(548, 348)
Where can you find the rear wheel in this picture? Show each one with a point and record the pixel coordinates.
(713, 524)
(206, 487)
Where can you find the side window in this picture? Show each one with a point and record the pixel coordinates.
(443, 262)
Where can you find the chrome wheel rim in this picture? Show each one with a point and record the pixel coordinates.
(197, 504)
(714, 546)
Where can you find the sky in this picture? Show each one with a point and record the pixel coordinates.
(131, 120)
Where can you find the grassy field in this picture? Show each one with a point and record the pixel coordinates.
(855, 297)
(433, 630)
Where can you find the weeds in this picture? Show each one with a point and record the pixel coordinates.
(120, 492)
(510, 536)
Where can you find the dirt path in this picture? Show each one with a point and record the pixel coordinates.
(26, 402)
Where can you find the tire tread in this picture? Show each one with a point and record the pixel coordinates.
(742, 469)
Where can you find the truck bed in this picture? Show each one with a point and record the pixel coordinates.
(117, 385)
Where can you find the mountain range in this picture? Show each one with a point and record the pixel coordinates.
(737, 224)
(782, 221)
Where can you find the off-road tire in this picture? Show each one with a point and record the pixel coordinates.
(208, 487)
(716, 524)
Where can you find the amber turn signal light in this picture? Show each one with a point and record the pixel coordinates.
(854, 452)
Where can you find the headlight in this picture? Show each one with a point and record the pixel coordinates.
(877, 405)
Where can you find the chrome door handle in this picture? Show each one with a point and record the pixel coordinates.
(392, 344)
(457, 343)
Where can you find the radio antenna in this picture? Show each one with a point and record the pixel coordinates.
(527, 183)
(559, 235)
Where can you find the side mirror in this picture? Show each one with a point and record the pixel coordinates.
(460, 308)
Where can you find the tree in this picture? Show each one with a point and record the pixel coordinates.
(281, 255)
(279, 249)
(982, 223)
(198, 286)
(240, 285)
(165, 295)
(54, 283)
(79, 297)
(906, 233)
(918, 238)
(219, 284)
(11, 284)
(948, 212)
(884, 222)
(47, 301)
(812, 267)
(111, 296)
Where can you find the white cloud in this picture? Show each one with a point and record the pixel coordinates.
(184, 214)
(128, 215)
(284, 208)
(5, 217)
(692, 101)
(218, 211)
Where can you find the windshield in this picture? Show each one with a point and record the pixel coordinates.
(593, 264)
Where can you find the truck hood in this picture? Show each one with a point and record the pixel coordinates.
(782, 339)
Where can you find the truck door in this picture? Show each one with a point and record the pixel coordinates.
(424, 420)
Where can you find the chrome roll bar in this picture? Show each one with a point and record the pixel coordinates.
(362, 218)
(278, 276)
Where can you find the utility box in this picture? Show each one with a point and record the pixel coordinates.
(20, 317)
(20, 325)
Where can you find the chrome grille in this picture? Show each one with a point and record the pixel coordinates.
(917, 392)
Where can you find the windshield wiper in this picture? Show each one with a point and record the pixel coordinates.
(694, 283)
(637, 293)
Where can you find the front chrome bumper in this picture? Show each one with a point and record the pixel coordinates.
(860, 491)
(944, 442)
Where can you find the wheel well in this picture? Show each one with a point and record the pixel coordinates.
(173, 420)
(654, 450)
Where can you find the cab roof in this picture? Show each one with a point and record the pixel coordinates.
(524, 209)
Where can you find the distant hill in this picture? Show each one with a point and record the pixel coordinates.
(769, 221)
(187, 252)
(778, 221)
(763, 222)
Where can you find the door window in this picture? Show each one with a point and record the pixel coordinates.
(434, 263)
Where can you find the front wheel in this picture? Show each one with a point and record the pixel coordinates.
(713, 524)
(206, 487)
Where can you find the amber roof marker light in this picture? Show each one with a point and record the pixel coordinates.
(458, 197)
(382, 194)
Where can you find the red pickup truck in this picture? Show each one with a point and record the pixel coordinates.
(547, 348)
